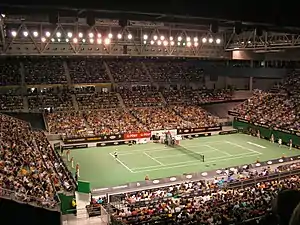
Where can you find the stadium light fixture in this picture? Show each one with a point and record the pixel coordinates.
(52, 39)
(152, 42)
(145, 42)
(75, 40)
(110, 36)
(172, 43)
(35, 33)
(218, 40)
(210, 40)
(119, 36)
(67, 40)
(129, 36)
(43, 39)
(92, 41)
(204, 40)
(69, 34)
(188, 39)
(189, 44)
(178, 43)
(99, 35)
(195, 39)
(179, 38)
(25, 33)
(80, 35)
(145, 37)
(14, 33)
(107, 41)
(58, 39)
(91, 35)
(58, 34)
(171, 38)
(196, 44)
(155, 37)
(99, 41)
(162, 37)
(48, 34)
(165, 43)
(159, 42)
(83, 40)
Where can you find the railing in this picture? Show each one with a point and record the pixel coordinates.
(30, 200)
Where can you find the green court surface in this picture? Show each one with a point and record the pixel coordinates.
(98, 165)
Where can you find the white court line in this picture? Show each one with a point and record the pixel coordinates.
(251, 143)
(154, 159)
(163, 148)
(121, 163)
(240, 146)
(193, 164)
(176, 155)
(191, 161)
(218, 150)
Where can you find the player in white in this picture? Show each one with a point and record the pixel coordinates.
(258, 134)
(272, 138)
(116, 154)
(280, 142)
(291, 144)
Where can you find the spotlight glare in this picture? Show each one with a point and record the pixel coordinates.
(58, 34)
(188, 39)
(80, 35)
(171, 38)
(129, 36)
(162, 37)
(218, 40)
(52, 39)
(210, 40)
(172, 43)
(195, 39)
(43, 39)
(155, 37)
(47, 34)
(91, 35)
(67, 40)
(14, 33)
(165, 43)
(99, 35)
(179, 38)
(58, 39)
(35, 34)
(110, 36)
(91, 41)
(159, 42)
(119, 36)
(204, 40)
(145, 42)
(145, 36)
(107, 41)
(70, 34)
(75, 40)
(189, 44)
(196, 44)
(83, 40)
(25, 33)
(152, 42)
(99, 41)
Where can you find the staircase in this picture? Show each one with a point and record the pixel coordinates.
(112, 80)
(75, 103)
(162, 98)
(121, 100)
(147, 72)
(25, 104)
(67, 73)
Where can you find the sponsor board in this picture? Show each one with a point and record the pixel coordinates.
(74, 146)
(160, 133)
(228, 132)
(94, 139)
(140, 135)
(198, 130)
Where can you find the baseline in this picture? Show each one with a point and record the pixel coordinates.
(194, 164)
(123, 164)
(240, 146)
(193, 161)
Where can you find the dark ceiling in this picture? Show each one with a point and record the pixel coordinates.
(249, 11)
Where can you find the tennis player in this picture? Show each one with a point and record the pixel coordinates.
(116, 155)
(280, 142)
(291, 144)
(272, 138)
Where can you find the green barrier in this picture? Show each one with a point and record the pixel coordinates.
(266, 132)
(84, 187)
(66, 203)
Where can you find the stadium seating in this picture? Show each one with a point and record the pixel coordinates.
(10, 72)
(29, 166)
(44, 71)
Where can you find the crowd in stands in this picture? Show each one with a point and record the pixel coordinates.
(206, 202)
(279, 109)
(126, 70)
(44, 71)
(10, 72)
(11, 100)
(97, 100)
(29, 166)
(87, 70)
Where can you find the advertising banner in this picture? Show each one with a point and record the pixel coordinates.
(93, 139)
(140, 135)
(162, 132)
(198, 130)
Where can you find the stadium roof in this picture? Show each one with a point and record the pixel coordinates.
(253, 11)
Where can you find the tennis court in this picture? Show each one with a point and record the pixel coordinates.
(99, 166)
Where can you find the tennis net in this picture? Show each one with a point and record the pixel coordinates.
(190, 153)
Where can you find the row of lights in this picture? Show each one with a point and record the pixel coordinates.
(158, 40)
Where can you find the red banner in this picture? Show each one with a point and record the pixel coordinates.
(137, 135)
